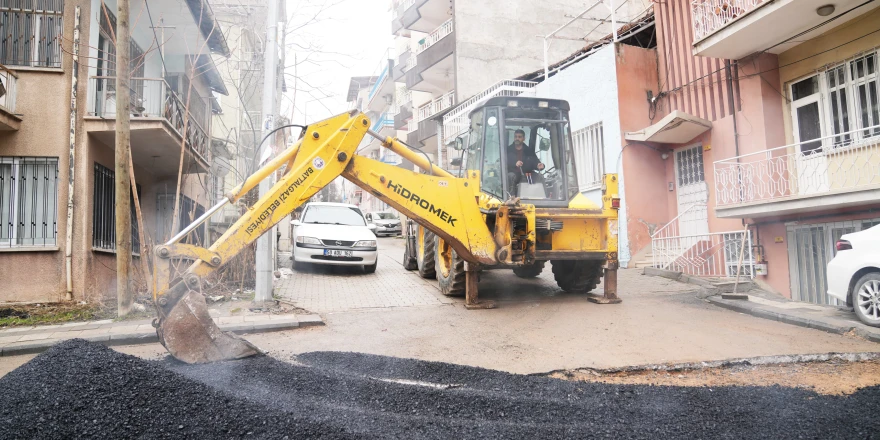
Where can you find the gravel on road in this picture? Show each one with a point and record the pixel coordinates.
(78, 389)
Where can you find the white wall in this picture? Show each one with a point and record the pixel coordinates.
(590, 87)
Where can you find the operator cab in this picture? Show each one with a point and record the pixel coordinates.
(522, 148)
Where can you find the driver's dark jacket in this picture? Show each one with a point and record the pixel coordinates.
(526, 155)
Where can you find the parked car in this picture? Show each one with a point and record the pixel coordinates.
(387, 223)
(854, 273)
(334, 233)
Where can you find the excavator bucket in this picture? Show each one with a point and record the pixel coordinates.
(190, 335)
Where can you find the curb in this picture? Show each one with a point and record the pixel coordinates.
(757, 311)
(149, 338)
(707, 288)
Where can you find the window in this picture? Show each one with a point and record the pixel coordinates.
(492, 171)
(104, 212)
(30, 32)
(689, 166)
(589, 152)
(841, 102)
(333, 215)
(28, 201)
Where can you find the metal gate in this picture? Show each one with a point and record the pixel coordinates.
(810, 248)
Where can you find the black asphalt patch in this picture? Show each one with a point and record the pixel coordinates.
(78, 389)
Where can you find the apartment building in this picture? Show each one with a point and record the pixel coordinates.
(745, 133)
(453, 54)
(58, 134)
(238, 126)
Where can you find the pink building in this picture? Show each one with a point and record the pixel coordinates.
(747, 134)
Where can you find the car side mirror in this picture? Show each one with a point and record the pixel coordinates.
(456, 162)
(295, 222)
(371, 227)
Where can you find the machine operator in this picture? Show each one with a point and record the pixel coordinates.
(522, 163)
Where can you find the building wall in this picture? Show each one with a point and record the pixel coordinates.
(495, 43)
(45, 131)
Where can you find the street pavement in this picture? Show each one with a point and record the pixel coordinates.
(536, 328)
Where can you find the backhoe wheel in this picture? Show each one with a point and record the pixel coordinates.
(529, 271)
(577, 276)
(425, 255)
(450, 269)
(410, 261)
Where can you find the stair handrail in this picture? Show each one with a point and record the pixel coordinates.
(674, 222)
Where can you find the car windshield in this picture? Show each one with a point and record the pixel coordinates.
(334, 215)
(385, 216)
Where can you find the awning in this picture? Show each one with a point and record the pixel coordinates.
(677, 127)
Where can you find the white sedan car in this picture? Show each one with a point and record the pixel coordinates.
(334, 233)
(854, 273)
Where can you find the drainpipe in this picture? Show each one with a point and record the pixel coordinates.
(74, 83)
(731, 106)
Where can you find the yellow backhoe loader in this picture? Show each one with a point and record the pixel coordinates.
(494, 214)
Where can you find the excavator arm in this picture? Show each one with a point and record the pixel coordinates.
(444, 204)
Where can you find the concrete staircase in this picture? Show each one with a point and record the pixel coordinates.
(644, 261)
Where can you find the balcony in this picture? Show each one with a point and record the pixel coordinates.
(426, 128)
(432, 70)
(833, 172)
(403, 102)
(381, 94)
(419, 15)
(402, 65)
(157, 124)
(8, 81)
(456, 121)
(734, 29)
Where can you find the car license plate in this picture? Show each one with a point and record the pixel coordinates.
(335, 253)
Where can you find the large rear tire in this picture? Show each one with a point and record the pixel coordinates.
(529, 271)
(577, 276)
(410, 261)
(449, 269)
(426, 253)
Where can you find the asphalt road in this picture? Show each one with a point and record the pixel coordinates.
(79, 390)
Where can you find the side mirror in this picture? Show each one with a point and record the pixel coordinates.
(461, 142)
(456, 162)
(545, 144)
(295, 222)
(371, 227)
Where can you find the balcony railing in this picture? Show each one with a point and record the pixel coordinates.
(385, 120)
(438, 34)
(8, 80)
(436, 106)
(150, 98)
(410, 63)
(456, 121)
(839, 163)
(403, 98)
(711, 15)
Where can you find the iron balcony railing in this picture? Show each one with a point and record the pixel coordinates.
(842, 162)
(8, 80)
(436, 106)
(716, 254)
(456, 121)
(712, 15)
(150, 98)
(434, 37)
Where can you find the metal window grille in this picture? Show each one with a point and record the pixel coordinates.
(589, 152)
(28, 201)
(31, 32)
(104, 212)
(690, 166)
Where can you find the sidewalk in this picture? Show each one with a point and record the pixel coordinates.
(826, 318)
(766, 305)
(23, 340)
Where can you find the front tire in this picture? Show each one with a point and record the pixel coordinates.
(529, 271)
(866, 299)
(371, 268)
(577, 276)
(425, 256)
(449, 268)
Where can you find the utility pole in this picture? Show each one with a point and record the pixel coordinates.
(124, 297)
(265, 244)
